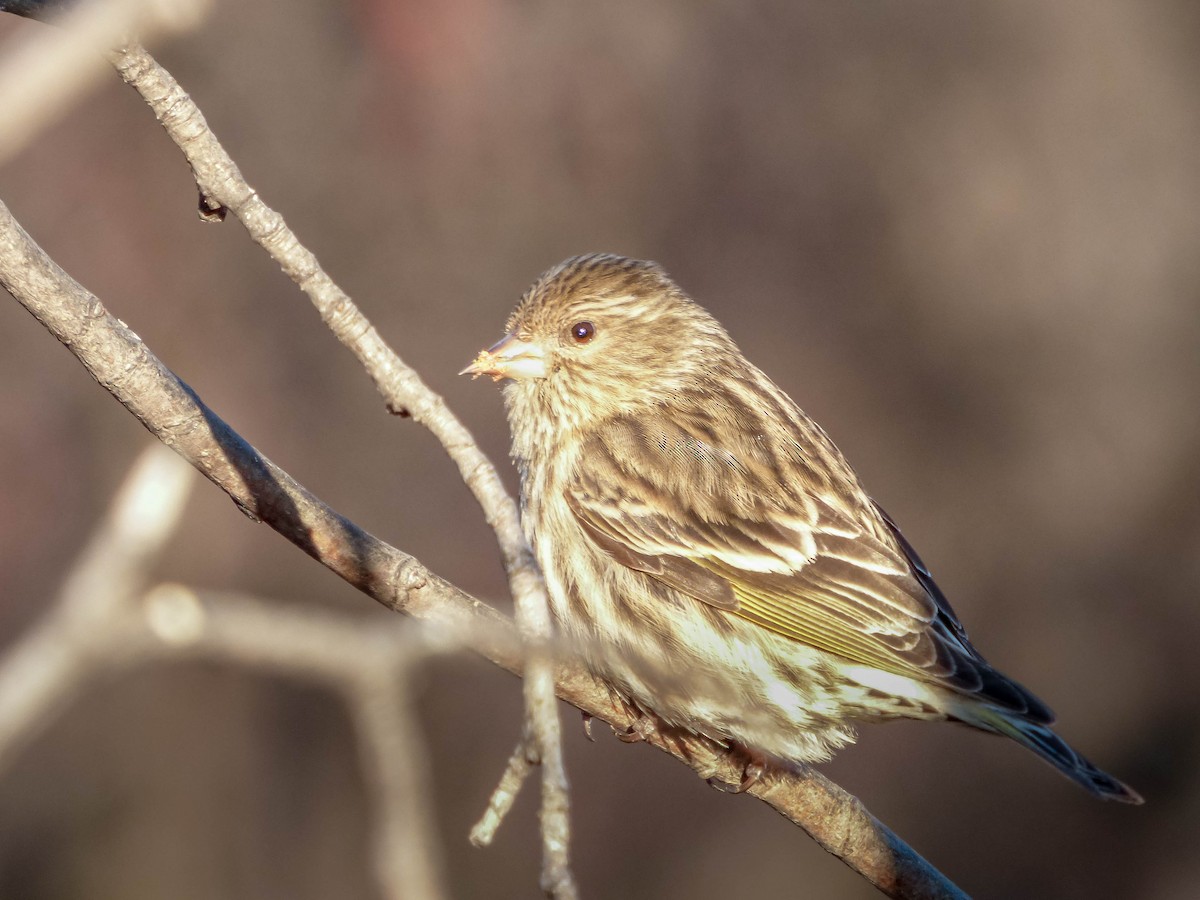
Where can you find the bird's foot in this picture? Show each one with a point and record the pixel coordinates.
(643, 728)
(753, 763)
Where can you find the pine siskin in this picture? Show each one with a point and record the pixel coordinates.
(708, 548)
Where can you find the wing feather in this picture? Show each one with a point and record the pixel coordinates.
(827, 570)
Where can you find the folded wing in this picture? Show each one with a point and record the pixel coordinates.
(728, 527)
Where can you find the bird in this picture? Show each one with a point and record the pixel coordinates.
(706, 548)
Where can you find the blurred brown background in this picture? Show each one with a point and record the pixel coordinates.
(962, 236)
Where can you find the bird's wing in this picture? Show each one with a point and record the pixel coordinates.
(803, 566)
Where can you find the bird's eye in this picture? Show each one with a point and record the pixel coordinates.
(582, 332)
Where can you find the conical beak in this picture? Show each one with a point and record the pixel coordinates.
(511, 357)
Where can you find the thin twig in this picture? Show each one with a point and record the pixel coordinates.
(370, 666)
(54, 658)
(222, 185)
(127, 369)
(50, 68)
(101, 624)
(515, 772)
(407, 856)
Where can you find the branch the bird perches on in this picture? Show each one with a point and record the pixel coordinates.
(122, 363)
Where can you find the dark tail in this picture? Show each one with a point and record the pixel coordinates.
(1050, 747)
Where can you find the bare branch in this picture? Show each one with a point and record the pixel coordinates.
(222, 185)
(170, 410)
(370, 666)
(98, 626)
(407, 858)
(515, 772)
(50, 68)
(48, 663)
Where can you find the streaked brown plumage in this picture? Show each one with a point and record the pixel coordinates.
(707, 547)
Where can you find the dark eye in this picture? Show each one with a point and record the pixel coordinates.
(582, 332)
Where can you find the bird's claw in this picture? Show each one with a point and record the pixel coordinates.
(752, 771)
(643, 728)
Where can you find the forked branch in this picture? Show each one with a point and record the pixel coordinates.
(173, 412)
(120, 362)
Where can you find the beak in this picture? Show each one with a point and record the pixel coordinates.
(511, 357)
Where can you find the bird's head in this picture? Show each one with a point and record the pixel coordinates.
(599, 335)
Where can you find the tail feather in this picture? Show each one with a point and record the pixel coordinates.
(1050, 747)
